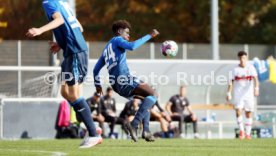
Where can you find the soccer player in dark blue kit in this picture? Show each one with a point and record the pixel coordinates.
(126, 85)
(68, 34)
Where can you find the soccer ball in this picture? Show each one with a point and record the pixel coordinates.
(169, 48)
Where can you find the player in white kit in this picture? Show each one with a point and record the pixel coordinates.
(244, 80)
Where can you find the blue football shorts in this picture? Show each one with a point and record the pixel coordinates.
(74, 68)
(125, 86)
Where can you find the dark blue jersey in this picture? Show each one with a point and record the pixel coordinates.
(68, 36)
(114, 57)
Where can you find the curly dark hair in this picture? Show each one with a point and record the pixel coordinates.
(120, 24)
(241, 53)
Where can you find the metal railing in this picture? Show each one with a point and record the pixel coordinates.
(36, 53)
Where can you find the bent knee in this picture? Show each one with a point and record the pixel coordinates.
(194, 117)
(154, 93)
(152, 98)
(64, 94)
(162, 120)
(72, 97)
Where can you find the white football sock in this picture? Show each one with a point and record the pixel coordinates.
(248, 126)
(240, 123)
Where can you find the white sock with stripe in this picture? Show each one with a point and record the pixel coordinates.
(240, 123)
(248, 125)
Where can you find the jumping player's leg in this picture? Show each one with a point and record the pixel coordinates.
(146, 132)
(71, 94)
(74, 69)
(149, 95)
(146, 123)
(64, 90)
(81, 107)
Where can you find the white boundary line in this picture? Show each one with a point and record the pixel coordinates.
(53, 153)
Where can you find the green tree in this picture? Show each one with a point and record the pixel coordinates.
(237, 18)
(263, 30)
(248, 21)
(21, 15)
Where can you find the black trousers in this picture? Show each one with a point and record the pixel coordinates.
(112, 120)
(182, 118)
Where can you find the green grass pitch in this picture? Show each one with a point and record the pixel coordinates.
(161, 147)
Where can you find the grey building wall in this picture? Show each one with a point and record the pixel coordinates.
(29, 119)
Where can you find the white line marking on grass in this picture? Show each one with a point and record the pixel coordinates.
(53, 153)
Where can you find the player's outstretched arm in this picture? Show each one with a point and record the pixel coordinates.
(58, 20)
(154, 33)
(136, 44)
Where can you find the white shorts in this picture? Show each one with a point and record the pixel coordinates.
(246, 104)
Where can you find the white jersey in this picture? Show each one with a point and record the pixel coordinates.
(244, 82)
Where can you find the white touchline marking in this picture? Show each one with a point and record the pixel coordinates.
(53, 153)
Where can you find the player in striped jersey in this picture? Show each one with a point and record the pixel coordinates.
(244, 80)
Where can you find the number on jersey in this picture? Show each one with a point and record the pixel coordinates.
(109, 56)
(71, 18)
